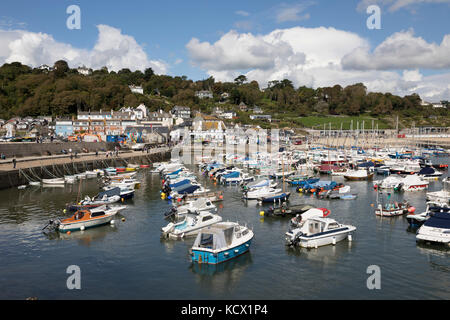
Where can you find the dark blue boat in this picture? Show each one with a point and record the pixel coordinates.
(284, 196)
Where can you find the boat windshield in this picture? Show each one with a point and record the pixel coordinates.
(97, 214)
(207, 240)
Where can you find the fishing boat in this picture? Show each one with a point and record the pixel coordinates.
(436, 229)
(84, 219)
(190, 225)
(357, 175)
(317, 232)
(393, 208)
(221, 242)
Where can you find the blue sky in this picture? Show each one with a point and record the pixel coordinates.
(164, 28)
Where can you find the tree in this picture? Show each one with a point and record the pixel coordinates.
(60, 68)
(148, 74)
(240, 80)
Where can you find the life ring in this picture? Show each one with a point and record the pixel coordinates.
(325, 211)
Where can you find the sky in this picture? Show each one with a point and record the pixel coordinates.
(314, 43)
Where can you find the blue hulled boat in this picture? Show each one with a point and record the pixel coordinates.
(221, 242)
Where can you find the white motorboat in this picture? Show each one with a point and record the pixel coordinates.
(436, 229)
(84, 219)
(414, 183)
(316, 232)
(126, 183)
(190, 225)
(196, 206)
(261, 193)
(391, 182)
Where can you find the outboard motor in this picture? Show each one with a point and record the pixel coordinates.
(170, 214)
(51, 226)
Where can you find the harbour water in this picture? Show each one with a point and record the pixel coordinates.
(130, 261)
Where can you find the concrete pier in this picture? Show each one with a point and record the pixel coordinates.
(48, 167)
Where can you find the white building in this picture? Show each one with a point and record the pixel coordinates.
(136, 89)
(159, 119)
(207, 128)
(84, 71)
(204, 94)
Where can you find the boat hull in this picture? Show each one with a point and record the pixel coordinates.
(324, 239)
(76, 226)
(208, 257)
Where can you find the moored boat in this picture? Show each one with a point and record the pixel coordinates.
(221, 242)
(316, 232)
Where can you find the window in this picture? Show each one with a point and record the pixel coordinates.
(207, 218)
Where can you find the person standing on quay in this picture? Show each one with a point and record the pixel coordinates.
(14, 162)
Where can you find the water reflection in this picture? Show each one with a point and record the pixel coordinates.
(222, 277)
(86, 237)
(327, 255)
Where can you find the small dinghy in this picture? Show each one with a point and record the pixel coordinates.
(221, 242)
(57, 181)
(84, 219)
(317, 232)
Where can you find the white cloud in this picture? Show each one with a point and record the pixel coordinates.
(242, 13)
(291, 13)
(112, 49)
(394, 5)
(402, 50)
(299, 55)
